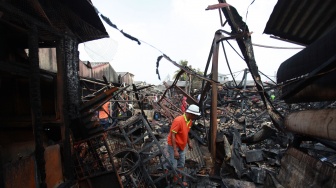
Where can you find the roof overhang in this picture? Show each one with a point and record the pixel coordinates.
(302, 21)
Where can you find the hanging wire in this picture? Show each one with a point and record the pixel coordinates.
(151, 46)
(278, 47)
(303, 77)
(267, 77)
(236, 51)
(109, 22)
(228, 64)
(238, 73)
(297, 79)
(234, 72)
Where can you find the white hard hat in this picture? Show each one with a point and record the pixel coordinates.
(193, 109)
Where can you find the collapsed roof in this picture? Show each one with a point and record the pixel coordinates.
(301, 21)
(311, 23)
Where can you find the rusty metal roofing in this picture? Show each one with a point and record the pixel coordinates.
(302, 21)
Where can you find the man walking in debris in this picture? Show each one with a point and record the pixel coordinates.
(178, 138)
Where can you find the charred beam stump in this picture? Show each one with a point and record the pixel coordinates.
(67, 95)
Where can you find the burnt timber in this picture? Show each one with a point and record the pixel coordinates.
(50, 137)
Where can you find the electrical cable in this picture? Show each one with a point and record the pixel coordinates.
(267, 76)
(278, 47)
(228, 64)
(233, 72)
(239, 73)
(236, 51)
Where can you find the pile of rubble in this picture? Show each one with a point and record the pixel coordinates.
(249, 149)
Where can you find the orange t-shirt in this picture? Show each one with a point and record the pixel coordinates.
(102, 113)
(180, 127)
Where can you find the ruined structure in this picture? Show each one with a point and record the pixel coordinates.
(51, 136)
(39, 106)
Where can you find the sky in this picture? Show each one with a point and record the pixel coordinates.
(183, 30)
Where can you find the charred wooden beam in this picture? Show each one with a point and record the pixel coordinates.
(205, 90)
(67, 95)
(140, 103)
(238, 26)
(99, 99)
(173, 105)
(36, 109)
(188, 70)
(190, 99)
(173, 84)
(264, 133)
(316, 123)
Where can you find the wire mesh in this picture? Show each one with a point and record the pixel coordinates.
(109, 152)
(91, 158)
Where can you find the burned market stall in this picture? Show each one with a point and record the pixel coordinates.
(39, 103)
(62, 127)
(250, 134)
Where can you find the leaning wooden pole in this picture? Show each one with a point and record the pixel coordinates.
(214, 92)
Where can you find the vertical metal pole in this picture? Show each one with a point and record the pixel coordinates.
(214, 93)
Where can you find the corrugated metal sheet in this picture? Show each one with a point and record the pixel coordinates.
(98, 70)
(106, 70)
(84, 71)
(302, 21)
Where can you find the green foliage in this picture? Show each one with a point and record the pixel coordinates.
(184, 76)
(196, 83)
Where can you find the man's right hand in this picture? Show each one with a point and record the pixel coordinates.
(176, 154)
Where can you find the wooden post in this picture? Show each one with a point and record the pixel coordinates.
(214, 90)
